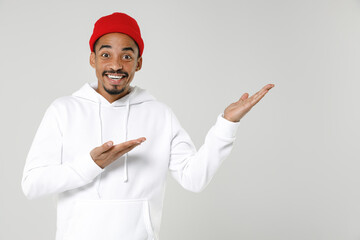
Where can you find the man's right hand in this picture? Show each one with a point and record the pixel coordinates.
(108, 153)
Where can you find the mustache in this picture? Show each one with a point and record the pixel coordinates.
(115, 72)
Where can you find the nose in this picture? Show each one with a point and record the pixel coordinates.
(116, 64)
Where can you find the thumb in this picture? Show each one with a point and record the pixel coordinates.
(99, 150)
(103, 148)
(244, 97)
(106, 146)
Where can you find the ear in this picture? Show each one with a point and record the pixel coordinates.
(139, 63)
(92, 59)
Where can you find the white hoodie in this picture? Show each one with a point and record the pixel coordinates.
(125, 199)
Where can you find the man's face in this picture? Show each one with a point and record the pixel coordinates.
(115, 61)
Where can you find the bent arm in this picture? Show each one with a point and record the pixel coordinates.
(45, 172)
(194, 169)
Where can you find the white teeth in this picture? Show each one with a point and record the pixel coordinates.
(115, 77)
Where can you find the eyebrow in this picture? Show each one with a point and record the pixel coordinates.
(128, 49)
(124, 49)
(104, 46)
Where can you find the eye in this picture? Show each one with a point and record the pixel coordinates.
(127, 57)
(105, 55)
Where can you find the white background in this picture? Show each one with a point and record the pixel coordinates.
(294, 170)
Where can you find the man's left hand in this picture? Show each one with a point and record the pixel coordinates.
(235, 111)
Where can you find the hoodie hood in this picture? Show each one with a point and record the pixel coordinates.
(135, 96)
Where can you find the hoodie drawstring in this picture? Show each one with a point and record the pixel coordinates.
(126, 119)
(101, 142)
(125, 136)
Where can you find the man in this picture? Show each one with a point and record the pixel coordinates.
(108, 186)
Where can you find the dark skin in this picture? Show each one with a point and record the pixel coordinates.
(116, 54)
(117, 57)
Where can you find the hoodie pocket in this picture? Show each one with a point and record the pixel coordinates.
(110, 220)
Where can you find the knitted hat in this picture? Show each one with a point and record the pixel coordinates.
(120, 23)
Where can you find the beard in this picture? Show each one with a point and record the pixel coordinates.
(114, 91)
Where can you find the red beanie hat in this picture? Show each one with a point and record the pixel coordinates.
(117, 22)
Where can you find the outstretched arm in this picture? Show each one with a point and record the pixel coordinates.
(194, 169)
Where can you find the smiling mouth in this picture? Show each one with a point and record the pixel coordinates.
(115, 78)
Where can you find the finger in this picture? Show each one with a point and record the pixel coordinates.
(264, 90)
(256, 98)
(142, 139)
(244, 97)
(258, 94)
(121, 146)
(132, 142)
(268, 86)
(124, 151)
(105, 147)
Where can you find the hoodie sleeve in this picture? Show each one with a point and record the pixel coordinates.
(45, 172)
(194, 169)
